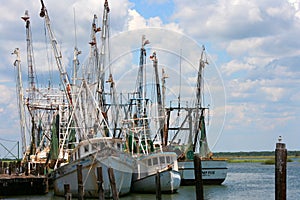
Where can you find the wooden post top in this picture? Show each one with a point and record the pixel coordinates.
(280, 145)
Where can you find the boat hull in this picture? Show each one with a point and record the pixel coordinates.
(214, 172)
(169, 182)
(67, 174)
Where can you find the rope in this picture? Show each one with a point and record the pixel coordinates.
(6, 140)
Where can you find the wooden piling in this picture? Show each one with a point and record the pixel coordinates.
(67, 192)
(158, 186)
(198, 177)
(100, 183)
(113, 186)
(10, 168)
(80, 183)
(26, 169)
(280, 171)
(5, 171)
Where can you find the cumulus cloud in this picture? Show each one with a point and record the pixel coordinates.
(253, 44)
(235, 66)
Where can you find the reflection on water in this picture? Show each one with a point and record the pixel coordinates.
(247, 181)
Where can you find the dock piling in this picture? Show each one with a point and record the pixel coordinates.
(113, 186)
(68, 195)
(80, 183)
(198, 177)
(100, 183)
(158, 186)
(280, 171)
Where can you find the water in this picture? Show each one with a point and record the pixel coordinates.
(246, 181)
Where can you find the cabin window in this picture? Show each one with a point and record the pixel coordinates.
(162, 160)
(86, 148)
(149, 162)
(119, 146)
(155, 161)
(168, 159)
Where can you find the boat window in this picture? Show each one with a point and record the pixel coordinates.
(168, 159)
(86, 148)
(149, 162)
(119, 146)
(155, 161)
(162, 160)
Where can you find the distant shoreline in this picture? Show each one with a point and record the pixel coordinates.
(252, 153)
(264, 157)
(255, 155)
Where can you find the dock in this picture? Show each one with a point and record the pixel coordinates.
(22, 184)
(12, 182)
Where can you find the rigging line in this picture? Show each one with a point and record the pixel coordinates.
(47, 53)
(75, 30)
(90, 168)
(34, 65)
(6, 140)
(179, 83)
(108, 44)
(180, 74)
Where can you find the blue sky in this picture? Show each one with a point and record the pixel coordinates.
(254, 70)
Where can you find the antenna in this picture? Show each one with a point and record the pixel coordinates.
(75, 30)
(179, 82)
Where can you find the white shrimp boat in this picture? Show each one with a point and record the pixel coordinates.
(190, 138)
(144, 142)
(92, 153)
(148, 167)
(88, 138)
(214, 171)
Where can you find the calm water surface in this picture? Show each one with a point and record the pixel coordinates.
(245, 181)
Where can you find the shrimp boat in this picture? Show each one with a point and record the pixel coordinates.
(151, 161)
(105, 152)
(189, 137)
(88, 140)
(143, 141)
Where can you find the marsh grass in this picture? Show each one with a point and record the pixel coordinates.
(267, 160)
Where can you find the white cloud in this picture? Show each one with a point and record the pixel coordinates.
(253, 42)
(135, 20)
(235, 66)
(273, 93)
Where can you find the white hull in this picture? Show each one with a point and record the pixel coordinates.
(169, 182)
(214, 172)
(144, 176)
(120, 163)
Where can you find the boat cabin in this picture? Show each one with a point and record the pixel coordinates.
(86, 147)
(160, 160)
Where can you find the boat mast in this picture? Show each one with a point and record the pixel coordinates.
(31, 81)
(159, 97)
(20, 99)
(141, 90)
(165, 127)
(101, 73)
(31, 77)
(93, 66)
(198, 106)
(75, 54)
(57, 54)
